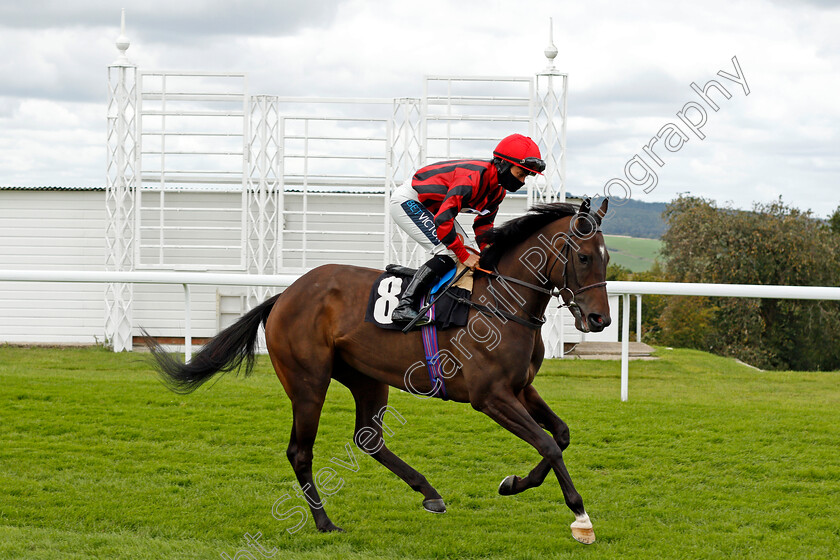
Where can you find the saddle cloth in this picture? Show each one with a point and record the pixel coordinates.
(388, 288)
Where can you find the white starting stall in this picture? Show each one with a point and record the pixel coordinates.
(204, 177)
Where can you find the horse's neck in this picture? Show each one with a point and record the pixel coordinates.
(512, 265)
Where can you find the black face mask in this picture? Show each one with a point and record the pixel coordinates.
(509, 182)
(506, 178)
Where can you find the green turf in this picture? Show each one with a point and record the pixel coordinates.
(708, 459)
(635, 253)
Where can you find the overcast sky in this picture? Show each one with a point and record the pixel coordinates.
(630, 67)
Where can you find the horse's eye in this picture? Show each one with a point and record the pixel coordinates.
(583, 259)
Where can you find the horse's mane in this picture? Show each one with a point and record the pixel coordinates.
(503, 238)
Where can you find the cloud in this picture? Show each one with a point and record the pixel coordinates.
(629, 65)
(161, 20)
(54, 64)
(47, 143)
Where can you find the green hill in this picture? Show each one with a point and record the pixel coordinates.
(635, 218)
(635, 253)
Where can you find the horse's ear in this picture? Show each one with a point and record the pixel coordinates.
(584, 207)
(602, 211)
(583, 223)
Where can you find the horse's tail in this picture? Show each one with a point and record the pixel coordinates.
(224, 352)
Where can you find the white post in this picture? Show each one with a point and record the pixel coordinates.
(548, 126)
(305, 215)
(264, 200)
(389, 177)
(559, 318)
(187, 325)
(625, 345)
(404, 155)
(550, 129)
(638, 317)
(120, 193)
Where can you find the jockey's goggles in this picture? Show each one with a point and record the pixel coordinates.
(532, 165)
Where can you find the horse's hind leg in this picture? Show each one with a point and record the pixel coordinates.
(307, 413)
(371, 398)
(306, 381)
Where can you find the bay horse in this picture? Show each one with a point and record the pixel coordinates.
(315, 332)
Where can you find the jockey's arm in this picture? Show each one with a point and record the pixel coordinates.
(445, 223)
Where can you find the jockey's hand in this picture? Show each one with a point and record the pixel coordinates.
(472, 261)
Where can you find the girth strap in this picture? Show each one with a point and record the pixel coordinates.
(430, 345)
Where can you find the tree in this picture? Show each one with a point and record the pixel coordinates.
(772, 244)
(834, 221)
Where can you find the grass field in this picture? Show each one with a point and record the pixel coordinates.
(708, 459)
(635, 253)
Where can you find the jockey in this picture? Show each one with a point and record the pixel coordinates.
(426, 205)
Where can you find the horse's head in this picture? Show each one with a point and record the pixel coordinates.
(559, 246)
(580, 269)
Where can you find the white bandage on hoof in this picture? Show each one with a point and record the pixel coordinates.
(582, 521)
(582, 529)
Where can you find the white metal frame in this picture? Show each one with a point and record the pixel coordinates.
(424, 131)
(178, 106)
(308, 126)
(265, 155)
(405, 154)
(505, 114)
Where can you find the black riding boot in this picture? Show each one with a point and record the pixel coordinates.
(425, 277)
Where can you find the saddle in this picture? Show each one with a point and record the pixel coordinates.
(449, 307)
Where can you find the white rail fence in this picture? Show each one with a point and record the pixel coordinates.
(186, 279)
(624, 289)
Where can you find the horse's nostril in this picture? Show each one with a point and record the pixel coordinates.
(598, 322)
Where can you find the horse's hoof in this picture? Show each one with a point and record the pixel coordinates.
(434, 506)
(583, 536)
(331, 528)
(506, 487)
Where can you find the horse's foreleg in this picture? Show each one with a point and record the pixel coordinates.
(512, 415)
(371, 401)
(545, 417)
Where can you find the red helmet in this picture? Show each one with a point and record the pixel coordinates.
(522, 152)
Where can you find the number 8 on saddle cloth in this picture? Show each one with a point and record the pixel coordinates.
(389, 286)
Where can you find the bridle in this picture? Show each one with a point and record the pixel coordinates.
(572, 293)
(537, 322)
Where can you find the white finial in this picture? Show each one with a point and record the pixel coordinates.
(122, 44)
(550, 50)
